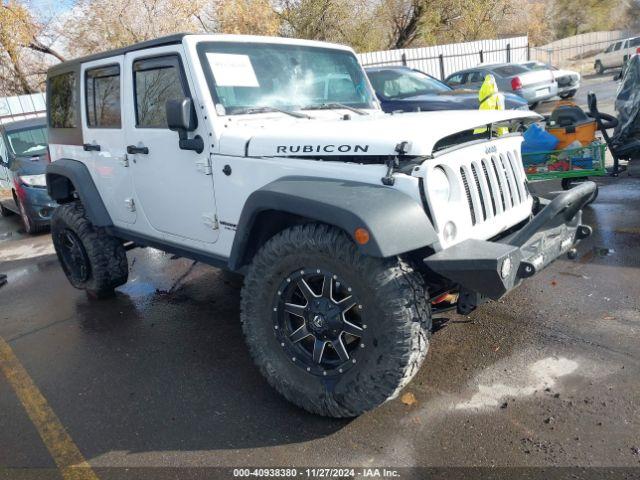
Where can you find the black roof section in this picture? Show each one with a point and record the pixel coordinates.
(156, 42)
(20, 124)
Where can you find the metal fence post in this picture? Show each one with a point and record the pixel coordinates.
(508, 53)
(441, 60)
(481, 56)
(528, 51)
(404, 59)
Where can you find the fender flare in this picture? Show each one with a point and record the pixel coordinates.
(64, 176)
(396, 222)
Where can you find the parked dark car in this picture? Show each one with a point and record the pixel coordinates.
(409, 90)
(23, 159)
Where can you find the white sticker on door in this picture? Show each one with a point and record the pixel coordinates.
(232, 70)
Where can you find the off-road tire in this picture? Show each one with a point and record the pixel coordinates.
(107, 266)
(394, 305)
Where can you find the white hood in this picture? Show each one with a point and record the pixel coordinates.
(376, 134)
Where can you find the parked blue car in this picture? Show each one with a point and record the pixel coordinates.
(408, 90)
(23, 160)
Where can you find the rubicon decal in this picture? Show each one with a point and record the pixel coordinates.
(329, 148)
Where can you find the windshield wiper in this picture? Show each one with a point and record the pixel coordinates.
(333, 106)
(266, 109)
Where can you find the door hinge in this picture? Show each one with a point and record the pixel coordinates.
(205, 167)
(211, 220)
(131, 205)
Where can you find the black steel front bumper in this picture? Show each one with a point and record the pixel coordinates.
(491, 269)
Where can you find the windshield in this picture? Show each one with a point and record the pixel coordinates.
(243, 76)
(28, 141)
(394, 84)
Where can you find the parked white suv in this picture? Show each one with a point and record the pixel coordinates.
(616, 54)
(348, 223)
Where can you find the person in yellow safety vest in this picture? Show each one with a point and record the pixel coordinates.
(490, 99)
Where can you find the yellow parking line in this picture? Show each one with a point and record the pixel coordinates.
(64, 451)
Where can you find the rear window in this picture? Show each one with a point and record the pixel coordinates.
(62, 101)
(103, 97)
(509, 70)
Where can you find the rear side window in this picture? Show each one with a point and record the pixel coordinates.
(102, 92)
(475, 77)
(617, 46)
(456, 79)
(62, 101)
(635, 42)
(156, 81)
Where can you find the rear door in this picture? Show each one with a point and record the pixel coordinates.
(103, 134)
(174, 187)
(475, 79)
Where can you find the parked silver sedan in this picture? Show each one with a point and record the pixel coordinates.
(533, 86)
(568, 80)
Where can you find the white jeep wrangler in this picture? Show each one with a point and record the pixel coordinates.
(271, 158)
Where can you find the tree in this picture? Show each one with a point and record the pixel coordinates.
(22, 51)
(251, 17)
(99, 25)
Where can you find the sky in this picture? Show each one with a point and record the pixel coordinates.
(45, 9)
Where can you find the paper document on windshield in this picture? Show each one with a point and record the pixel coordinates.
(231, 70)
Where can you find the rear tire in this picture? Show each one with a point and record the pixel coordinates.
(390, 316)
(599, 68)
(92, 259)
(5, 212)
(566, 95)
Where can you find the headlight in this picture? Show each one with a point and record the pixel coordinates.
(34, 180)
(438, 185)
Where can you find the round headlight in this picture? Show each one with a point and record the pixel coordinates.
(438, 184)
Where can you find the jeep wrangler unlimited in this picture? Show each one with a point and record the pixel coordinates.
(271, 158)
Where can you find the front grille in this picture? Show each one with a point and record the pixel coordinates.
(498, 185)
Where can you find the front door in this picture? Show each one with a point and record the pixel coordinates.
(174, 187)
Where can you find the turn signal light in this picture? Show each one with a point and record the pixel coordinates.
(361, 235)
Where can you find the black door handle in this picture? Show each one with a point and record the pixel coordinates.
(90, 147)
(131, 149)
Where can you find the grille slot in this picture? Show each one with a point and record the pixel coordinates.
(499, 179)
(475, 177)
(468, 192)
(491, 194)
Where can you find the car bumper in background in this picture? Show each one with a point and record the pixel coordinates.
(539, 93)
(38, 204)
(486, 269)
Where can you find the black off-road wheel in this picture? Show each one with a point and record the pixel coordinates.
(92, 259)
(334, 331)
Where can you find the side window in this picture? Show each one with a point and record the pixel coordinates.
(635, 42)
(156, 81)
(617, 46)
(102, 96)
(456, 79)
(3, 150)
(62, 101)
(476, 77)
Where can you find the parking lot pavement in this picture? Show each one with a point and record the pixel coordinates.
(160, 375)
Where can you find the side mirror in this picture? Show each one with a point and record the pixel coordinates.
(181, 115)
(181, 118)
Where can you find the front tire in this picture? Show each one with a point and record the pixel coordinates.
(92, 259)
(30, 226)
(334, 331)
(599, 68)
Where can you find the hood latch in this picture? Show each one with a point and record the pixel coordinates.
(393, 162)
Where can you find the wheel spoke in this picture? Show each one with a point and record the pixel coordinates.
(327, 286)
(318, 350)
(346, 304)
(340, 349)
(299, 334)
(352, 329)
(294, 309)
(306, 290)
